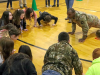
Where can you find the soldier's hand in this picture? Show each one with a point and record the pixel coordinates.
(71, 33)
(81, 40)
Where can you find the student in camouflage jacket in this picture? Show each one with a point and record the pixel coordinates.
(61, 58)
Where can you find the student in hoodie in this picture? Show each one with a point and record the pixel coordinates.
(45, 16)
(26, 50)
(6, 18)
(95, 68)
(18, 64)
(19, 19)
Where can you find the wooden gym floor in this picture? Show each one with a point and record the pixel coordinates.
(47, 35)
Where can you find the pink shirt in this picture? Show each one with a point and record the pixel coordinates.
(4, 33)
(35, 17)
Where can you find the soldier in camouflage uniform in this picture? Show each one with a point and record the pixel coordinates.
(62, 58)
(85, 21)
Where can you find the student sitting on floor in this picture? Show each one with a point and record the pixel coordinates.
(29, 14)
(45, 16)
(19, 19)
(6, 48)
(18, 64)
(25, 49)
(6, 18)
(95, 68)
(98, 34)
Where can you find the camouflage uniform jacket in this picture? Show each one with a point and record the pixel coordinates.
(61, 57)
(85, 21)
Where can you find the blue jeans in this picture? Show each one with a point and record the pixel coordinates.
(69, 3)
(50, 72)
(55, 2)
(9, 1)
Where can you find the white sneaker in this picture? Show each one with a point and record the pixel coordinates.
(47, 6)
(7, 8)
(11, 8)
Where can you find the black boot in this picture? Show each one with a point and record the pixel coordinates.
(54, 6)
(57, 5)
(24, 5)
(21, 7)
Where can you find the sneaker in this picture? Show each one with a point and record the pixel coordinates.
(24, 5)
(57, 5)
(66, 18)
(54, 6)
(40, 13)
(47, 6)
(50, 5)
(11, 8)
(70, 21)
(21, 7)
(7, 8)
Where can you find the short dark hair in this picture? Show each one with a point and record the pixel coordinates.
(96, 53)
(63, 36)
(14, 31)
(26, 50)
(98, 33)
(47, 18)
(71, 9)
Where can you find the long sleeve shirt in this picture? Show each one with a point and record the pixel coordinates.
(43, 15)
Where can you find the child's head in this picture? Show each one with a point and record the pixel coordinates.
(6, 47)
(63, 36)
(14, 33)
(7, 16)
(96, 53)
(98, 34)
(8, 26)
(18, 15)
(29, 13)
(47, 18)
(25, 49)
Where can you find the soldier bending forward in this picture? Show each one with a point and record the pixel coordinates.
(85, 21)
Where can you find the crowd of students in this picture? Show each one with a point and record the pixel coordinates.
(59, 59)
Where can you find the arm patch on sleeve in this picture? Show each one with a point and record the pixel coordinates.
(82, 22)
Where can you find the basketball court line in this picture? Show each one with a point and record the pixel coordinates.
(46, 49)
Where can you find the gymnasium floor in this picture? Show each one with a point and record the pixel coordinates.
(47, 35)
